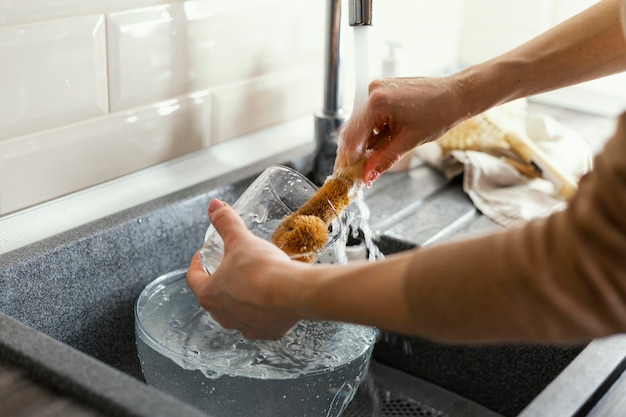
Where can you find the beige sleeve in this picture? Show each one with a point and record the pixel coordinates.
(559, 279)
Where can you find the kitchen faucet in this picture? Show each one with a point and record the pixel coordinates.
(328, 122)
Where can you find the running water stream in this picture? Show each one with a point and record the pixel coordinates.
(357, 214)
(361, 66)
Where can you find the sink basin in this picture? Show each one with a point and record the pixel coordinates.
(79, 288)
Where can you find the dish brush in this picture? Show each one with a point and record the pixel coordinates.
(304, 233)
(495, 135)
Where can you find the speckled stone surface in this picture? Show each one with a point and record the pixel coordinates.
(80, 287)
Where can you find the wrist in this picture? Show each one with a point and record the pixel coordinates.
(483, 86)
(297, 292)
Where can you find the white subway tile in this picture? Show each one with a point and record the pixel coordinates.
(248, 38)
(527, 14)
(40, 167)
(16, 12)
(247, 106)
(172, 49)
(565, 9)
(307, 32)
(52, 73)
(12, 12)
(146, 58)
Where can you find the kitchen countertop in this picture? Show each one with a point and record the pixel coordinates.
(24, 389)
(40, 376)
(23, 394)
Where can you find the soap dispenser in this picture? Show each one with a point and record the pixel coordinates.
(391, 66)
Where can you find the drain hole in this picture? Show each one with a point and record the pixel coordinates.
(389, 405)
(408, 407)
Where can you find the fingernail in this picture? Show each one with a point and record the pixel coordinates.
(371, 177)
(215, 204)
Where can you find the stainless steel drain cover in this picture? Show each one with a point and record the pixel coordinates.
(388, 392)
(390, 405)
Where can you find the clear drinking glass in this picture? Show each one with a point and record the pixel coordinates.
(276, 193)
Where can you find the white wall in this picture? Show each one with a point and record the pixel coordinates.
(491, 27)
(93, 90)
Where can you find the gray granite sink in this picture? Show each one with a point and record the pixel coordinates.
(74, 294)
(79, 287)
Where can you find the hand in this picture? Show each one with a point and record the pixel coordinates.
(245, 292)
(401, 113)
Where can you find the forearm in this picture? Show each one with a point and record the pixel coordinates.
(466, 291)
(587, 46)
(559, 279)
(359, 292)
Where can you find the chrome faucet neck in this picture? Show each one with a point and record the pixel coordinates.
(360, 12)
(328, 123)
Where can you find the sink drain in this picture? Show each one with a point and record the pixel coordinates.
(388, 392)
(390, 405)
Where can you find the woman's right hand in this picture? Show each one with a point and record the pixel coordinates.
(400, 114)
(247, 290)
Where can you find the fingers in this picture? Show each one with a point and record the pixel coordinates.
(378, 163)
(366, 135)
(196, 276)
(226, 221)
(353, 140)
(229, 225)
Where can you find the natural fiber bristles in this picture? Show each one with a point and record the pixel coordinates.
(301, 235)
(477, 134)
(488, 132)
(306, 231)
(330, 199)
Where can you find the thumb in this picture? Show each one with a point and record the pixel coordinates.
(377, 165)
(226, 221)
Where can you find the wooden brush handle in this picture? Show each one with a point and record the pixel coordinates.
(564, 183)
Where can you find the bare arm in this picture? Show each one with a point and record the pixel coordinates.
(411, 111)
(587, 46)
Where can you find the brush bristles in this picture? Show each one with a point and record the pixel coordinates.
(477, 134)
(305, 232)
(330, 199)
(301, 236)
